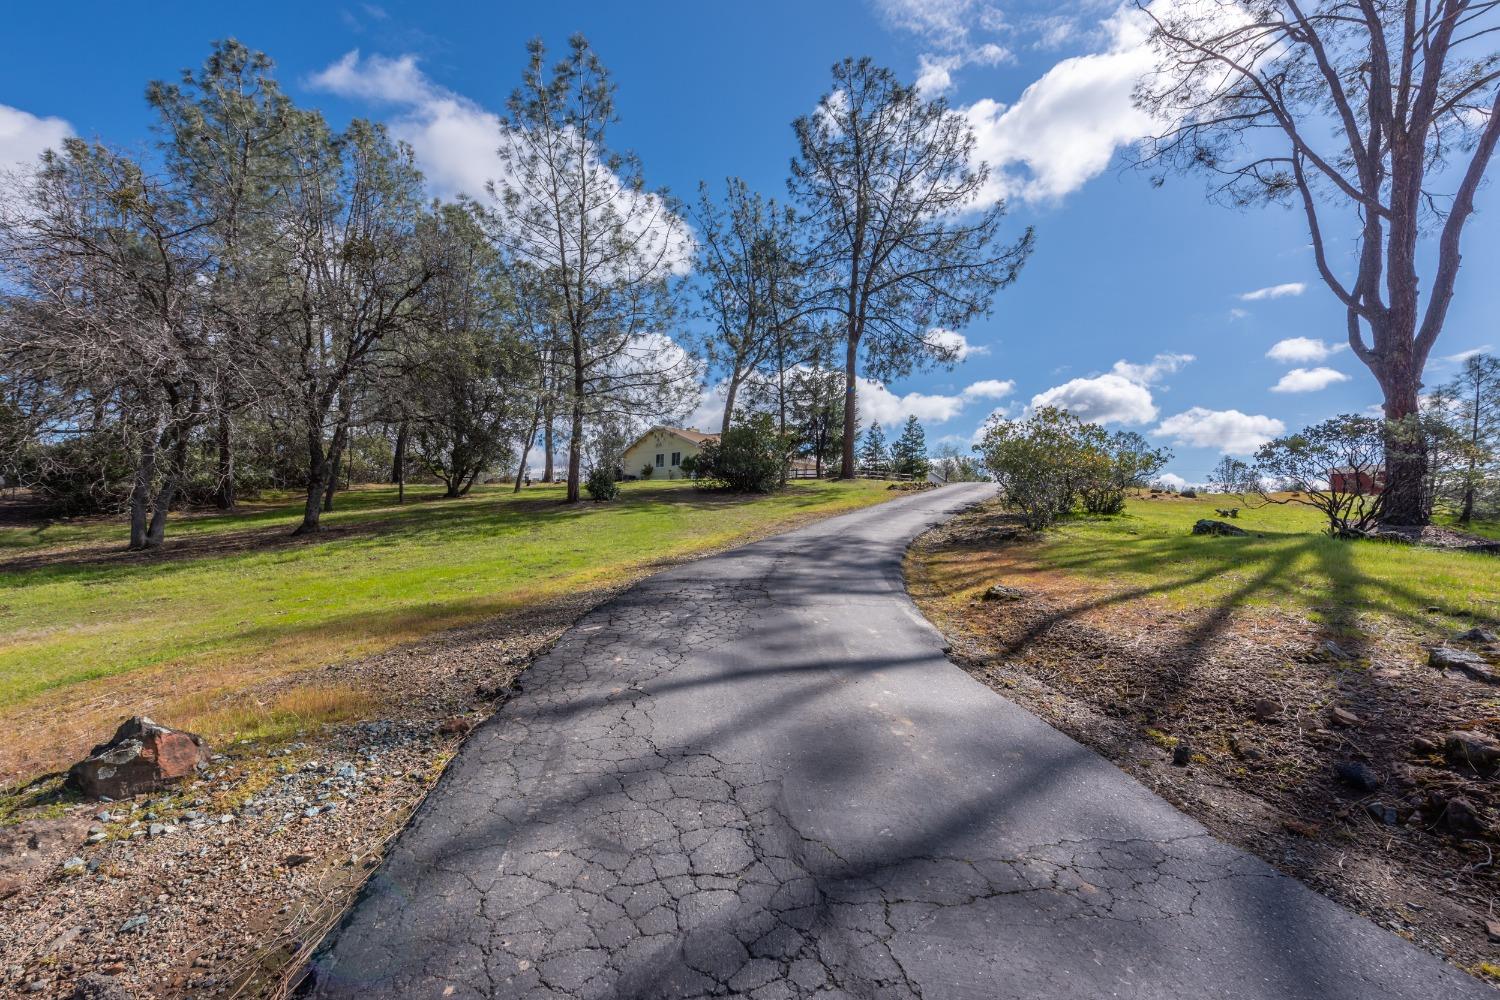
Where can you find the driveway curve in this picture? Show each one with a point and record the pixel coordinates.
(757, 775)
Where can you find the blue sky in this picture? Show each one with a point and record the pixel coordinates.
(1128, 280)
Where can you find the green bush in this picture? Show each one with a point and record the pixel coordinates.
(750, 457)
(601, 485)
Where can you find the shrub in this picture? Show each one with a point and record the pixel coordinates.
(750, 457)
(646, 470)
(1036, 461)
(601, 484)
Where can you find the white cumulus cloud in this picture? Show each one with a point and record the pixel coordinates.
(1067, 126)
(1308, 380)
(1103, 399)
(1296, 350)
(954, 343)
(1274, 291)
(1230, 431)
(1121, 395)
(25, 136)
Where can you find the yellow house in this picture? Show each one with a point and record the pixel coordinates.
(663, 448)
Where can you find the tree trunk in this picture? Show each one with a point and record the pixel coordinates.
(851, 411)
(575, 452)
(335, 456)
(549, 419)
(1404, 499)
(140, 492)
(398, 461)
(575, 440)
(176, 463)
(729, 395)
(224, 497)
(536, 419)
(317, 468)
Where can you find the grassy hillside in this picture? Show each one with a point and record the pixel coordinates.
(1288, 561)
(233, 600)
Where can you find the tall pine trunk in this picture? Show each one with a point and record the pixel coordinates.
(850, 469)
(1404, 500)
(575, 439)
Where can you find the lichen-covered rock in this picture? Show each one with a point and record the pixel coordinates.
(1208, 526)
(141, 757)
(1462, 661)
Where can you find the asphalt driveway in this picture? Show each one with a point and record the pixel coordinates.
(757, 775)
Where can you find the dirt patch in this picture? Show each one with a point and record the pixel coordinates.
(1280, 723)
(220, 886)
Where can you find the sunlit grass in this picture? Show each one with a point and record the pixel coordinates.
(1287, 561)
(384, 574)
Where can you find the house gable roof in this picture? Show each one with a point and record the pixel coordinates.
(690, 436)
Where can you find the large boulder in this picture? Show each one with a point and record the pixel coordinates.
(1208, 526)
(141, 757)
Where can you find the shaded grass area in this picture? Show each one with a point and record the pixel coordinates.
(1287, 562)
(232, 591)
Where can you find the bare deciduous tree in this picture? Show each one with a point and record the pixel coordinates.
(1375, 118)
(352, 274)
(104, 263)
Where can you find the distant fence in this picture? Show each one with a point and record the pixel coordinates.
(811, 472)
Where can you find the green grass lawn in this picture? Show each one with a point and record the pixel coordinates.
(1287, 561)
(237, 591)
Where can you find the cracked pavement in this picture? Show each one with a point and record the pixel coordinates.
(757, 775)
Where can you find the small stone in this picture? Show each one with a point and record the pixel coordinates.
(1343, 717)
(73, 865)
(296, 860)
(457, 725)
(1477, 634)
(1461, 818)
(1492, 929)
(135, 923)
(100, 987)
(311, 811)
(1422, 745)
(1000, 592)
(1182, 754)
(1330, 650)
(1265, 710)
(97, 838)
(1382, 813)
(1357, 775)
(1475, 751)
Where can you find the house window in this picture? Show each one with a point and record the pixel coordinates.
(676, 459)
(660, 460)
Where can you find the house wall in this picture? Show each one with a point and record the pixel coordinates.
(658, 443)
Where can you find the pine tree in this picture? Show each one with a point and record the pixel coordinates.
(872, 453)
(909, 453)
